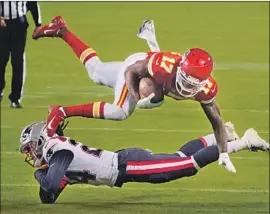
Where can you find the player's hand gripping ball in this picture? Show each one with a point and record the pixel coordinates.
(148, 86)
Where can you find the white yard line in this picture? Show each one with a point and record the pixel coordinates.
(150, 188)
(233, 157)
(11, 153)
(28, 96)
(138, 130)
(149, 130)
(251, 66)
(158, 109)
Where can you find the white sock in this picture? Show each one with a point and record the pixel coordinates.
(210, 140)
(233, 146)
(236, 146)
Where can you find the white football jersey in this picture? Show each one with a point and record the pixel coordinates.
(90, 165)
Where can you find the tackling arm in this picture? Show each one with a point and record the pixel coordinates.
(51, 179)
(49, 197)
(213, 114)
(133, 75)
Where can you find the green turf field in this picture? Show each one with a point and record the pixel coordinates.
(236, 34)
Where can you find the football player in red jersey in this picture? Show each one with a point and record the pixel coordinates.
(186, 76)
(181, 77)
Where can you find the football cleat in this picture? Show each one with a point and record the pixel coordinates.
(53, 29)
(55, 117)
(230, 131)
(15, 105)
(254, 141)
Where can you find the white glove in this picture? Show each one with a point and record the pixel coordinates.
(146, 102)
(224, 159)
(147, 32)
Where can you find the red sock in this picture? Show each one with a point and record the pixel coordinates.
(203, 141)
(92, 110)
(83, 51)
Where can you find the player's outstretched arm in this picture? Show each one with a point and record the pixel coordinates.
(213, 114)
(51, 179)
(133, 75)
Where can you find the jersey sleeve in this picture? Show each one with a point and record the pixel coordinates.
(50, 180)
(208, 93)
(154, 65)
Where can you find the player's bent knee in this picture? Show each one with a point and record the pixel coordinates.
(92, 68)
(115, 112)
(121, 114)
(94, 77)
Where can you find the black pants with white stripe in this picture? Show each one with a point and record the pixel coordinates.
(12, 43)
(139, 165)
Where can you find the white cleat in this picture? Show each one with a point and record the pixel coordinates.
(230, 131)
(254, 141)
(147, 32)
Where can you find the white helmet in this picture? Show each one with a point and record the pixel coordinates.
(32, 140)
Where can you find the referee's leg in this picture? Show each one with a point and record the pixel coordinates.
(4, 56)
(18, 41)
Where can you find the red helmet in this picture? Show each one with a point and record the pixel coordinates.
(193, 71)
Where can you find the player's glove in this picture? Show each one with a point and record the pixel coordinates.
(224, 159)
(146, 102)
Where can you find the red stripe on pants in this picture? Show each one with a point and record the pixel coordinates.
(203, 141)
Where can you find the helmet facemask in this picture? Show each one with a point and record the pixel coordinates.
(33, 152)
(32, 140)
(187, 86)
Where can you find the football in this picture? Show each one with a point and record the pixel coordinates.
(147, 86)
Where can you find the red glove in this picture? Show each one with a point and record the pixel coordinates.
(45, 166)
(63, 182)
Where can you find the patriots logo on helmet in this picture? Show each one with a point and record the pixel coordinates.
(27, 132)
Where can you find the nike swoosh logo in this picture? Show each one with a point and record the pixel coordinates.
(47, 31)
(50, 123)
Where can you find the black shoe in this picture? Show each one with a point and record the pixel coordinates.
(15, 105)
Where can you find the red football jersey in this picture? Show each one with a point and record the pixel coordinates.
(162, 67)
(208, 93)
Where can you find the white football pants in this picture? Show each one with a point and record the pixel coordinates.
(111, 74)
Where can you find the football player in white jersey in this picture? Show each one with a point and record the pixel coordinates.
(62, 161)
